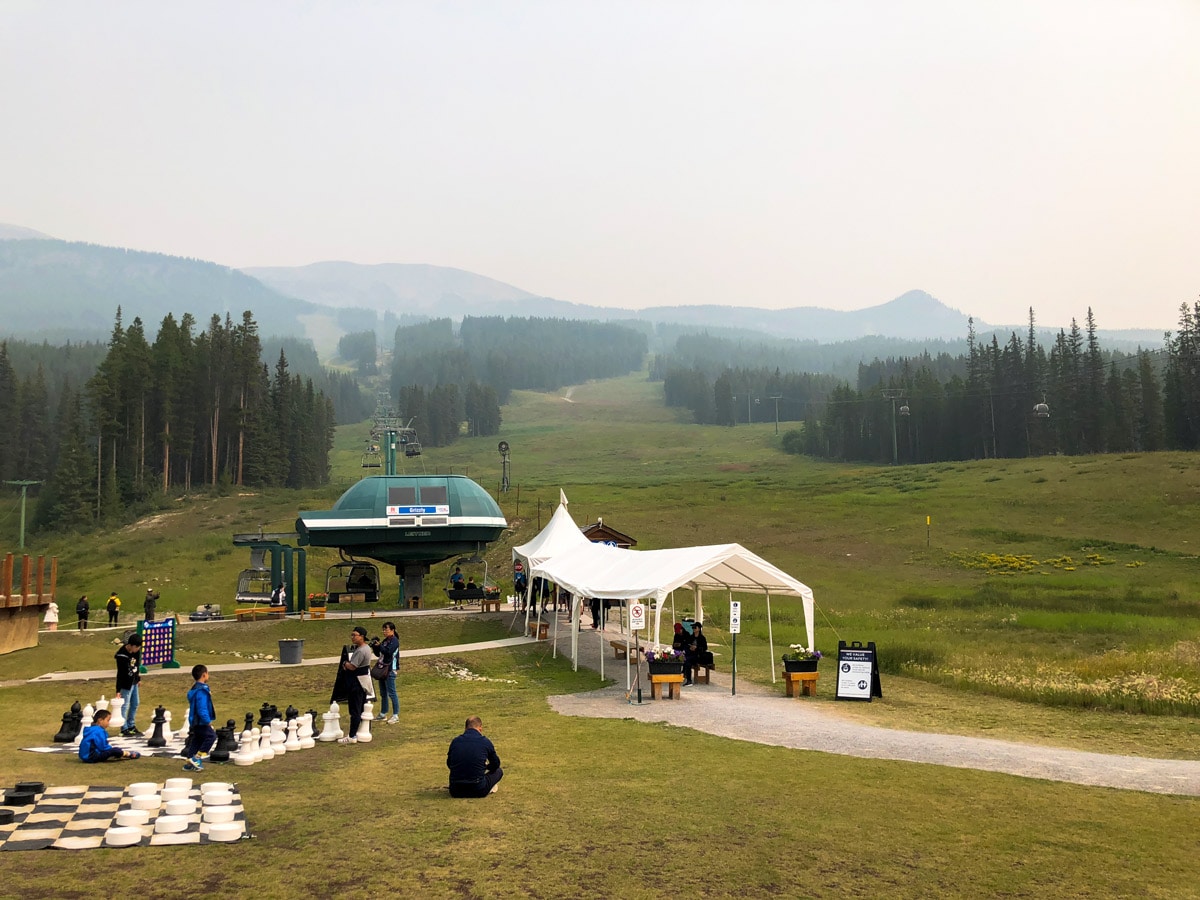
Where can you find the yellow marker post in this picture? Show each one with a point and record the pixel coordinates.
(928, 521)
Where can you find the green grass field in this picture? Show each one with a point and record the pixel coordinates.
(1051, 600)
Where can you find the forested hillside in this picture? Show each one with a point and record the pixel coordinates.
(443, 377)
(189, 408)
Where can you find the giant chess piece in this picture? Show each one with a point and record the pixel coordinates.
(331, 728)
(364, 733)
(266, 751)
(116, 706)
(101, 703)
(292, 744)
(307, 741)
(369, 710)
(159, 720)
(166, 731)
(71, 721)
(246, 755)
(291, 713)
(182, 734)
(264, 715)
(84, 722)
(278, 737)
(226, 744)
(249, 726)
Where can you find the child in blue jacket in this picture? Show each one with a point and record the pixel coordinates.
(94, 746)
(201, 714)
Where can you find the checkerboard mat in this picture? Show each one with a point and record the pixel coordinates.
(77, 817)
(173, 747)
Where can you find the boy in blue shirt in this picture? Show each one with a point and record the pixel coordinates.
(200, 718)
(94, 746)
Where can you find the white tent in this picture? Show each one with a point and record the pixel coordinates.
(560, 535)
(598, 570)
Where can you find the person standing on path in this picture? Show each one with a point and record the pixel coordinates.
(82, 608)
(150, 604)
(114, 607)
(389, 652)
(129, 661)
(473, 762)
(52, 616)
(359, 665)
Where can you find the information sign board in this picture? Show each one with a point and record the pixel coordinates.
(857, 672)
(637, 617)
(735, 616)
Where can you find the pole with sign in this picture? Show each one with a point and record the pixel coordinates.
(735, 626)
(637, 623)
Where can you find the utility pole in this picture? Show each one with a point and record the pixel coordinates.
(24, 485)
(893, 394)
(777, 398)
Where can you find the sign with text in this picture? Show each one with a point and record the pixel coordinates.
(735, 616)
(857, 672)
(637, 617)
(440, 510)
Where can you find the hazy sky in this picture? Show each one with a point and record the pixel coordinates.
(999, 155)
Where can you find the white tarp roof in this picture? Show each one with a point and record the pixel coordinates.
(598, 570)
(560, 535)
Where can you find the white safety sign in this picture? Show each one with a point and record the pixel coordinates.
(637, 617)
(735, 616)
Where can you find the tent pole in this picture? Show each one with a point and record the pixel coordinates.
(770, 638)
(600, 638)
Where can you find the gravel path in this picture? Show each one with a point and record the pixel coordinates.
(759, 715)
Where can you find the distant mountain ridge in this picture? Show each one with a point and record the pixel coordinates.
(67, 290)
(54, 290)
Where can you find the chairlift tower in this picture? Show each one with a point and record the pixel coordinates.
(504, 471)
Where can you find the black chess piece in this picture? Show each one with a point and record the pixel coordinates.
(274, 712)
(264, 715)
(72, 724)
(226, 742)
(159, 720)
(316, 718)
(249, 721)
(291, 713)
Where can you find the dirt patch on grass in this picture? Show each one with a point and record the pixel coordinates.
(733, 467)
(150, 522)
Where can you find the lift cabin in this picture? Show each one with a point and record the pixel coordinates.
(407, 521)
(352, 581)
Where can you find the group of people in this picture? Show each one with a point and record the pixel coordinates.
(694, 647)
(83, 609)
(471, 758)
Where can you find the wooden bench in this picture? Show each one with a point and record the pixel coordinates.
(461, 596)
(492, 605)
(316, 612)
(673, 683)
(413, 603)
(539, 630)
(806, 680)
(703, 672)
(620, 649)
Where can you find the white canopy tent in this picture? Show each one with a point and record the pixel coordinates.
(560, 535)
(598, 570)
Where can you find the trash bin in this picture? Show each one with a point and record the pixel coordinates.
(291, 651)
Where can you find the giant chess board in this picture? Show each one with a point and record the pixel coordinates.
(173, 747)
(85, 817)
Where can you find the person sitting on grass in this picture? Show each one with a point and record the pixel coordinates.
(473, 762)
(94, 746)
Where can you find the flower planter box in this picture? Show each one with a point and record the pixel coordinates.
(800, 665)
(665, 668)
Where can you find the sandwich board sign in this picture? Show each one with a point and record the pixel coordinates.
(857, 672)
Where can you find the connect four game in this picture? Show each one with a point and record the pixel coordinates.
(158, 643)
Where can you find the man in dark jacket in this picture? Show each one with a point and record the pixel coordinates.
(150, 604)
(129, 661)
(473, 763)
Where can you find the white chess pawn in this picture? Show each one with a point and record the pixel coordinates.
(88, 714)
(182, 734)
(278, 737)
(369, 710)
(115, 706)
(293, 741)
(245, 755)
(102, 703)
(256, 744)
(307, 741)
(167, 725)
(364, 729)
(264, 745)
(331, 729)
